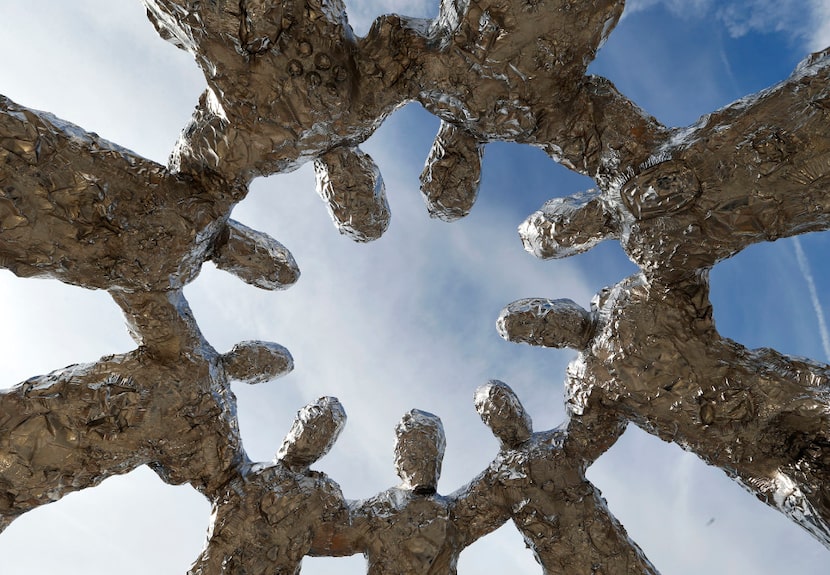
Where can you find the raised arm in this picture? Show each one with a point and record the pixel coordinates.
(344, 534)
(479, 507)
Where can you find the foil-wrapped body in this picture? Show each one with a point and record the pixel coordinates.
(654, 357)
(289, 83)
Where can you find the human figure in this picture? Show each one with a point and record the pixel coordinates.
(73, 428)
(79, 209)
(265, 518)
(683, 209)
(167, 404)
(289, 82)
(410, 529)
(653, 356)
(528, 62)
(538, 479)
(523, 60)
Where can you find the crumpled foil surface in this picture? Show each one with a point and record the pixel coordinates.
(73, 428)
(267, 516)
(655, 358)
(290, 83)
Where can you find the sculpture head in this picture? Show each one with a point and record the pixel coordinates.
(313, 433)
(548, 323)
(419, 451)
(568, 226)
(501, 410)
(257, 361)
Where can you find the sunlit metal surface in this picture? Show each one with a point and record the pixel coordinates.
(290, 83)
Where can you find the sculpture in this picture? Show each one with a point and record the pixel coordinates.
(72, 204)
(289, 83)
(538, 479)
(654, 357)
(680, 211)
(175, 412)
(409, 529)
(267, 516)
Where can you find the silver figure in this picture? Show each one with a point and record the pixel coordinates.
(538, 479)
(167, 404)
(654, 357)
(267, 517)
(411, 529)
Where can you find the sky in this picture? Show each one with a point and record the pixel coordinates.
(408, 321)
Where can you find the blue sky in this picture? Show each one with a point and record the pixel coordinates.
(408, 321)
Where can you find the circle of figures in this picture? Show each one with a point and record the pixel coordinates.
(289, 82)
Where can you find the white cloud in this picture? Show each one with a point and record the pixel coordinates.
(820, 36)
(686, 8)
(810, 26)
(747, 16)
(363, 12)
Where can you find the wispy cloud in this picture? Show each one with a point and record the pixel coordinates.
(820, 37)
(808, 25)
(804, 266)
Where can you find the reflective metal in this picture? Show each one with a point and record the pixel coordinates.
(288, 83)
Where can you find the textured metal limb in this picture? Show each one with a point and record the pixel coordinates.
(163, 325)
(656, 359)
(160, 322)
(599, 132)
(567, 226)
(266, 517)
(255, 258)
(255, 361)
(351, 185)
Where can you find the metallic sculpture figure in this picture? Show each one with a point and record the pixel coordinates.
(82, 210)
(521, 58)
(683, 210)
(170, 408)
(289, 82)
(538, 479)
(411, 529)
(654, 357)
(405, 530)
(527, 62)
(267, 516)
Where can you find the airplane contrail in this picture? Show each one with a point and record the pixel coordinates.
(804, 266)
